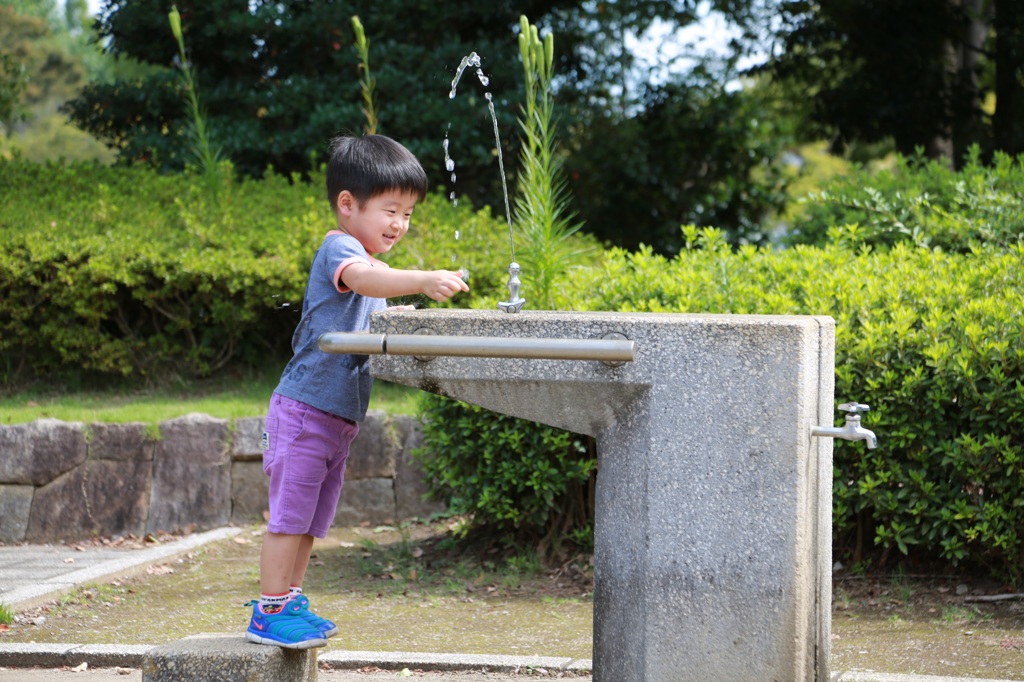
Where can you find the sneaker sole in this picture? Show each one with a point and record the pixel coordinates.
(303, 644)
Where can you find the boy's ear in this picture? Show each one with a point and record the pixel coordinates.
(345, 203)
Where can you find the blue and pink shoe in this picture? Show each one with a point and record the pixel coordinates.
(326, 627)
(286, 628)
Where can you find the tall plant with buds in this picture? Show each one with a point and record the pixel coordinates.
(367, 82)
(542, 212)
(206, 156)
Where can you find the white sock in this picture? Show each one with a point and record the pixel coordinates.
(272, 603)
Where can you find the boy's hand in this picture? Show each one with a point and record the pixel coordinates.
(440, 285)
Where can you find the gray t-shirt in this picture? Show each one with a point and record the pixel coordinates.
(338, 384)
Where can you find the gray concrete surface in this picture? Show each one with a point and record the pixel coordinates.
(713, 506)
(31, 575)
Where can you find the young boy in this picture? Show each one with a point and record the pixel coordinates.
(373, 184)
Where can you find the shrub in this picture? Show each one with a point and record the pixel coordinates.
(521, 479)
(931, 340)
(922, 202)
(113, 271)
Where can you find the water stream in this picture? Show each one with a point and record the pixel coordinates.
(472, 60)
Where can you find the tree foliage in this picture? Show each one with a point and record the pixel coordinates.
(279, 79)
(918, 71)
(696, 153)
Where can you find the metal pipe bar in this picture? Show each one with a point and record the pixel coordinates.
(430, 345)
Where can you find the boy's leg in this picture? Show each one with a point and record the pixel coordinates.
(305, 551)
(281, 556)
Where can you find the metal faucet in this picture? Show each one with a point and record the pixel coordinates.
(852, 430)
(515, 302)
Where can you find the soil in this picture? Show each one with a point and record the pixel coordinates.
(928, 625)
(414, 589)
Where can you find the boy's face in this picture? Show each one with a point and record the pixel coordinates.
(380, 222)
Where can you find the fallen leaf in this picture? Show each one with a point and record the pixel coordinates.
(4, 627)
(417, 553)
(81, 667)
(242, 540)
(346, 544)
(69, 560)
(162, 569)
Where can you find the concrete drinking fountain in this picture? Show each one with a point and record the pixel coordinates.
(713, 528)
(712, 548)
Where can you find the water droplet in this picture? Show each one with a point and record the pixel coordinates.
(454, 257)
(452, 196)
(487, 96)
(455, 202)
(449, 164)
(453, 177)
(457, 235)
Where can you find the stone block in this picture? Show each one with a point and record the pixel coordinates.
(191, 474)
(374, 450)
(15, 504)
(226, 658)
(410, 479)
(40, 451)
(101, 496)
(248, 442)
(121, 442)
(370, 499)
(249, 486)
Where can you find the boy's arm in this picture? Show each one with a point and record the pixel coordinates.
(440, 285)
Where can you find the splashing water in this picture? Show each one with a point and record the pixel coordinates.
(473, 60)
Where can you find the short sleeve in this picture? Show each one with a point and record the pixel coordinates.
(340, 251)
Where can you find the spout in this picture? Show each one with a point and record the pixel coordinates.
(852, 430)
(848, 432)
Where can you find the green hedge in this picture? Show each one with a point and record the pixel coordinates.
(922, 202)
(932, 341)
(114, 271)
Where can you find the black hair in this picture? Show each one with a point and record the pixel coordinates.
(371, 165)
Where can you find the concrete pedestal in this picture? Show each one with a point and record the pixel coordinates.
(713, 532)
(226, 658)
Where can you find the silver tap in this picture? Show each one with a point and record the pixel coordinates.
(852, 430)
(515, 302)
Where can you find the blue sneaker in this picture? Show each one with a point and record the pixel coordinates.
(325, 626)
(287, 628)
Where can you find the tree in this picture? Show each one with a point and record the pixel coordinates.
(696, 153)
(280, 79)
(917, 71)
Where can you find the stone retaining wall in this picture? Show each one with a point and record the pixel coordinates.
(68, 480)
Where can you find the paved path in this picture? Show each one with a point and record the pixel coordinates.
(31, 575)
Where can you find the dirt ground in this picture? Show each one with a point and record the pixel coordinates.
(412, 589)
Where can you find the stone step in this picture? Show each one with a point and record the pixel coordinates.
(226, 658)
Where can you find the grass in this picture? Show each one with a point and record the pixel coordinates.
(6, 614)
(231, 397)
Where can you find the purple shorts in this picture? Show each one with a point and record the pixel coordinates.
(304, 454)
